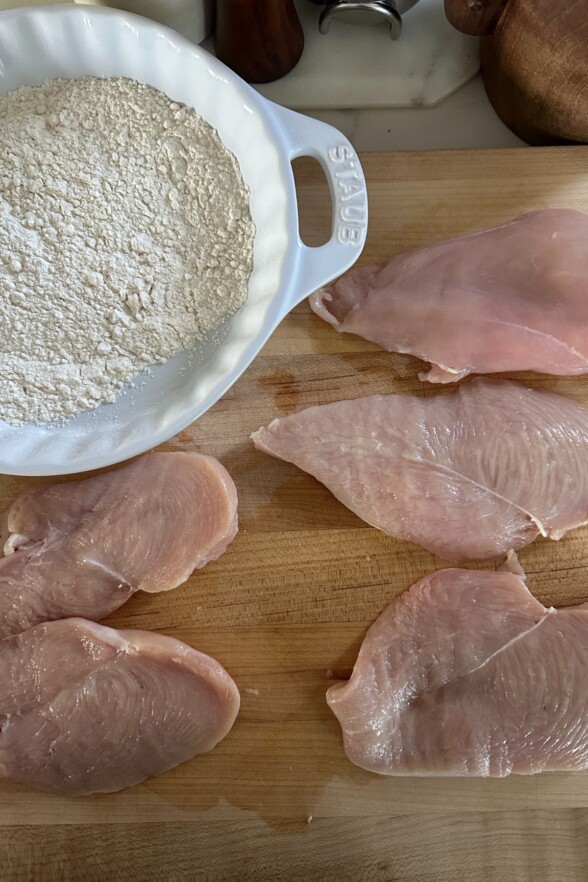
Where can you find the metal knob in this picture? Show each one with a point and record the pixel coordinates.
(370, 12)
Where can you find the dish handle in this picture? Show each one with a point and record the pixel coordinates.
(316, 266)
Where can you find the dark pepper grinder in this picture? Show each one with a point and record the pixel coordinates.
(261, 40)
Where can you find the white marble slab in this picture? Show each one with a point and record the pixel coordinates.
(465, 119)
(355, 66)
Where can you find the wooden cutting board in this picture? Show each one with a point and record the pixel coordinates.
(286, 607)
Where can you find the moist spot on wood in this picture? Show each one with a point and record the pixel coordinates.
(285, 389)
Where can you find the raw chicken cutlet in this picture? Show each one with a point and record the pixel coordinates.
(86, 709)
(512, 298)
(83, 548)
(467, 674)
(468, 476)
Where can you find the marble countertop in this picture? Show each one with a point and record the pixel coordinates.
(464, 119)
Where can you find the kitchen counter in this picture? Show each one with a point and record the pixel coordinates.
(464, 119)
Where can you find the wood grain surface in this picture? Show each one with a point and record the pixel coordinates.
(286, 607)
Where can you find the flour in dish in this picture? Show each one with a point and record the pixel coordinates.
(125, 236)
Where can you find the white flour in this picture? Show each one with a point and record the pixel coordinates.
(125, 236)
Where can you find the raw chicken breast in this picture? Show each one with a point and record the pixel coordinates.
(467, 674)
(86, 709)
(83, 548)
(468, 475)
(513, 298)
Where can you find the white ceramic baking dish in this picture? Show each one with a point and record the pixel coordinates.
(71, 41)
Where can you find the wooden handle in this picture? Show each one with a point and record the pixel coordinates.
(261, 40)
(480, 18)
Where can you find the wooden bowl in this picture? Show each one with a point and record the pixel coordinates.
(534, 63)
